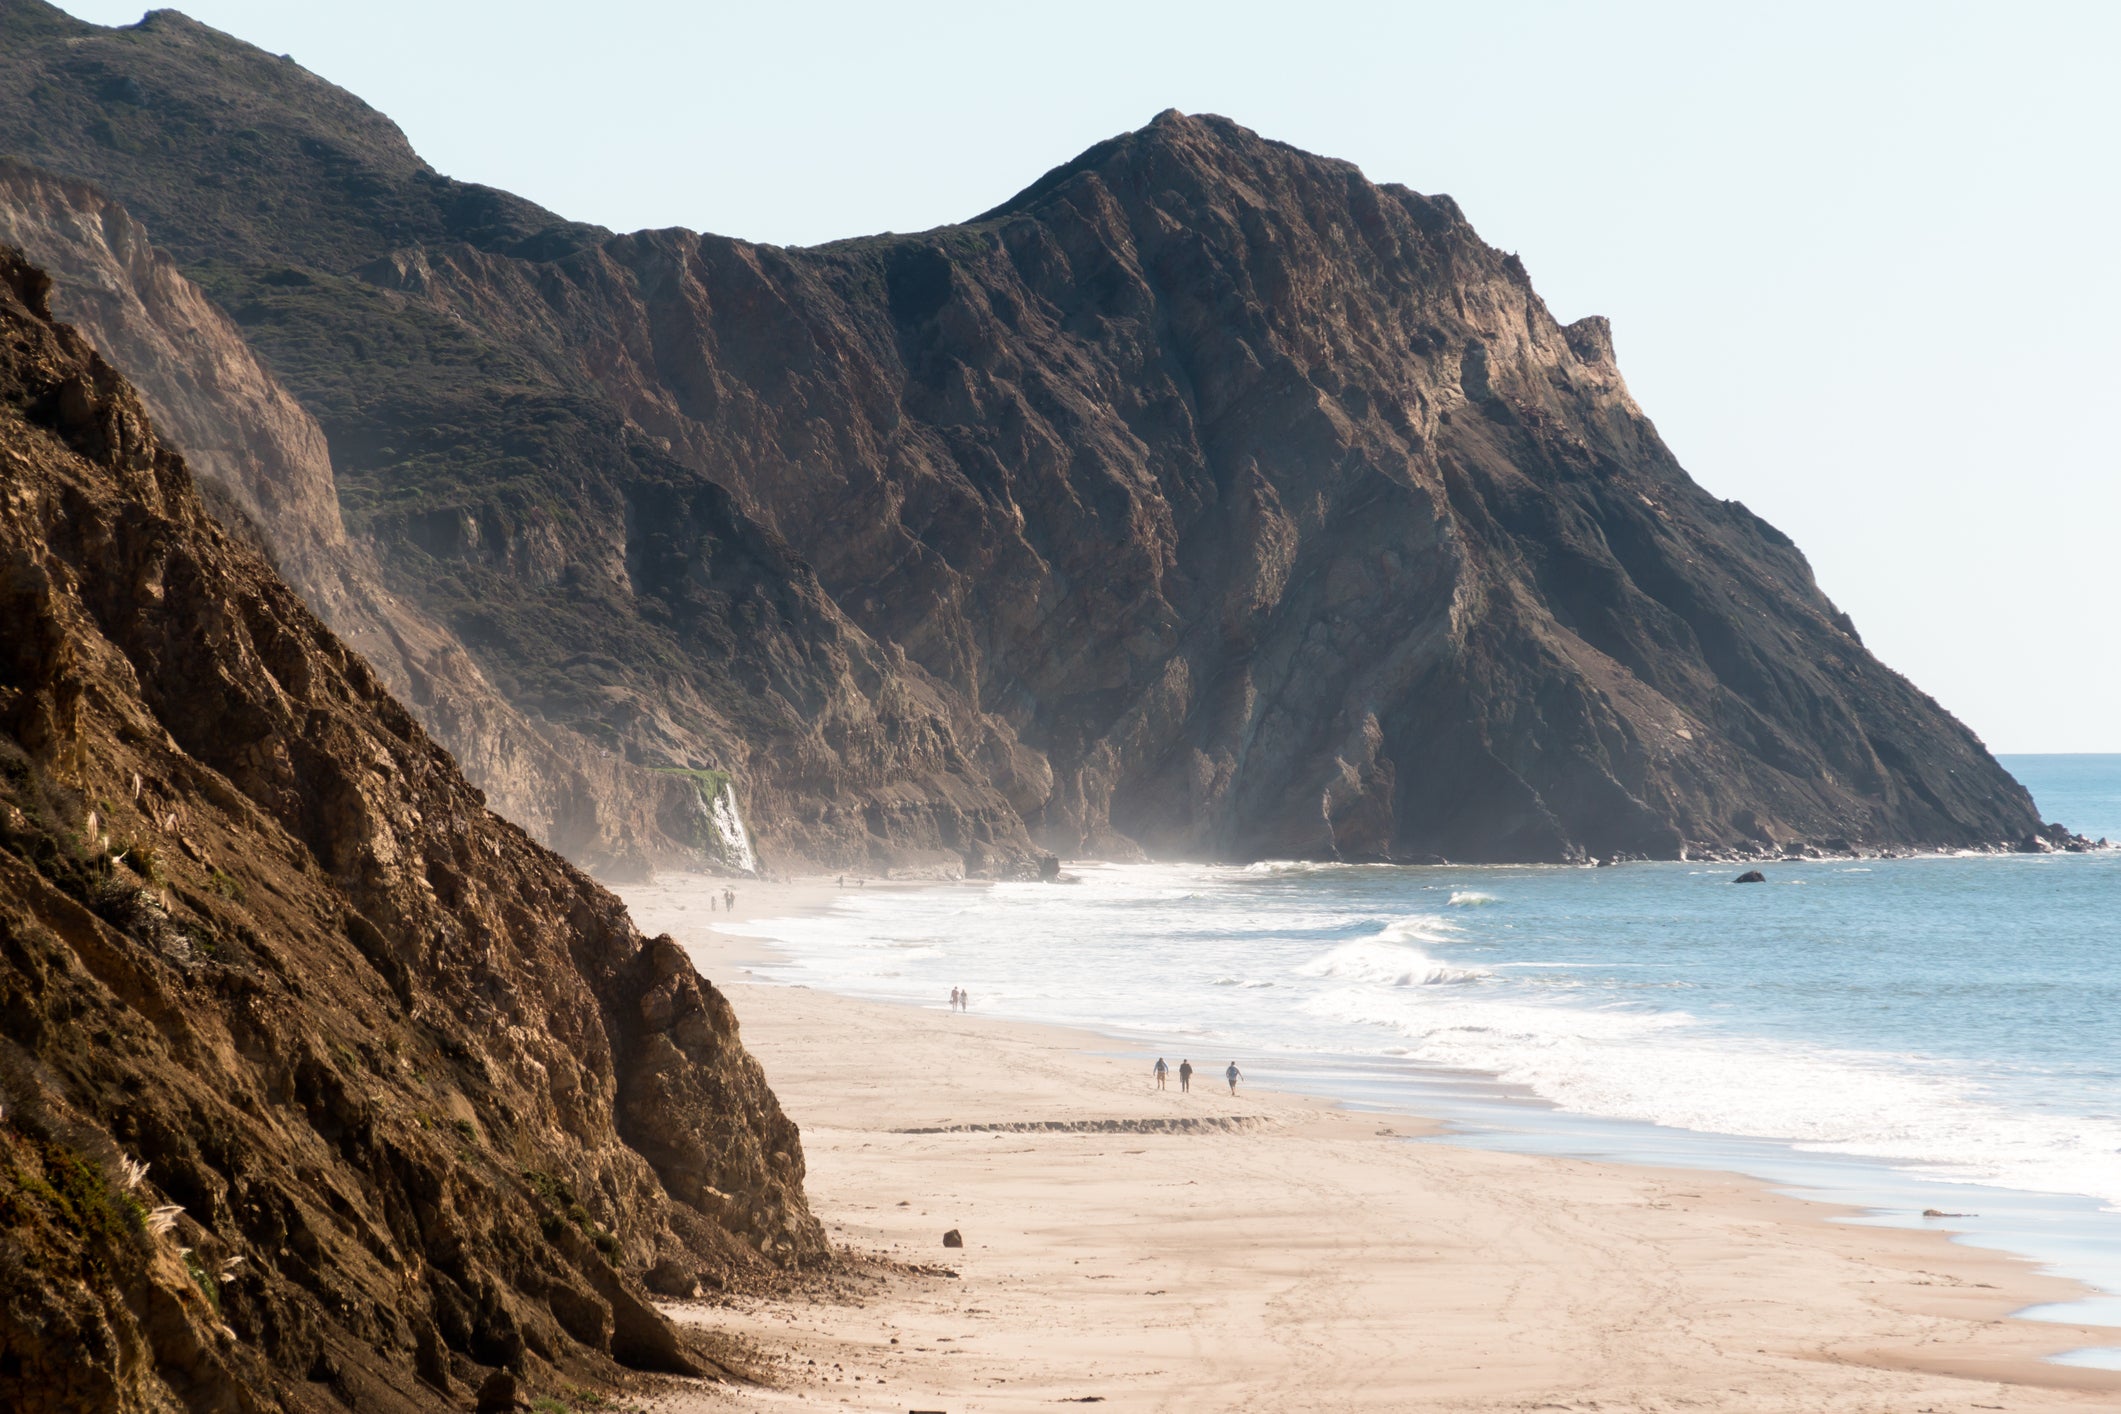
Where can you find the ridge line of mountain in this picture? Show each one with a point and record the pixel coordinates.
(1202, 498)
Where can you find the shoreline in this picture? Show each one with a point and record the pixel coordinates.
(1472, 1277)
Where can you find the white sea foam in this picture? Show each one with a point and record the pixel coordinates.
(1471, 898)
(1382, 960)
(1670, 1068)
(1416, 927)
(1271, 957)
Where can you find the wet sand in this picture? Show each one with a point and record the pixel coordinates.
(1153, 1250)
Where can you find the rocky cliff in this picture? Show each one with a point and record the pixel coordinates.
(320, 1086)
(607, 641)
(263, 461)
(1275, 512)
(1205, 497)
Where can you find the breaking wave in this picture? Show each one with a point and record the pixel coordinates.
(1385, 960)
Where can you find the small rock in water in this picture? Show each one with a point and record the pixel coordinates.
(953, 1238)
(1750, 876)
(1940, 1213)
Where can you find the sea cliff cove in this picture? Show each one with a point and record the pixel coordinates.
(1135, 794)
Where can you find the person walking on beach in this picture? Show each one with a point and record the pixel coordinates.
(1162, 1070)
(953, 999)
(964, 1000)
(1233, 1075)
(1185, 1077)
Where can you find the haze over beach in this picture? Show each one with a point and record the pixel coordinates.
(617, 793)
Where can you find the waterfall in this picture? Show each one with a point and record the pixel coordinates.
(729, 829)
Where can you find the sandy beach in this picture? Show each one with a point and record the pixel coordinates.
(1162, 1251)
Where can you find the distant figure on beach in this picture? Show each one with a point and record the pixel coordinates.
(954, 994)
(1233, 1075)
(964, 1000)
(710, 903)
(729, 899)
(1162, 1070)
(1185, 1077)
(843, 881)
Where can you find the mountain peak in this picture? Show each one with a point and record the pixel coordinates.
(31, 19)
(1209, 146)
(141, 110)
(1208, 498)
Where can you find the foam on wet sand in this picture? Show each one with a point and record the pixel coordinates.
(1311, 1258)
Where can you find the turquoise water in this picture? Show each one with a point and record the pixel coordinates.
(1941, 1032)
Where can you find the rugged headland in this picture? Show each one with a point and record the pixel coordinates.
(1205, 498)
(321, 1087)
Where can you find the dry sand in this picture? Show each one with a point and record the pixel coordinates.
(1276, 1253)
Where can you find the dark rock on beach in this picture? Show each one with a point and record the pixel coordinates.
(498, 1394)
(2052, 837)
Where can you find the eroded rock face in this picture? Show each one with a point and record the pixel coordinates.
(586, 659)
(1205, 498)
(251, 443)
(1266, 512)
(414, 1101)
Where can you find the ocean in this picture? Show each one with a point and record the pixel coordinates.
(1897, 1035)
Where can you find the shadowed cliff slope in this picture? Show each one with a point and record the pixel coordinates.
(1274, 508)
(1204, 497)
(594, 629)
(263, 463)
(320, 1086)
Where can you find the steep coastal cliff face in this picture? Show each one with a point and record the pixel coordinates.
(254, 446)
(320, 1086)
(1205, 498)
(1275, 510)
(599, 634)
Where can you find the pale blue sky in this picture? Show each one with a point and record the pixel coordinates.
(1860, 259)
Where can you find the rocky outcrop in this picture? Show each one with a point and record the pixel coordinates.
(320, 1087)
(239, 428)
(1272, 508)
(1205, 498)
(252, 444)
(516, 626)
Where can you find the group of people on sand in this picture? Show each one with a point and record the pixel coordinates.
(726, 899)
(961, 1000)
(1185, 1075)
